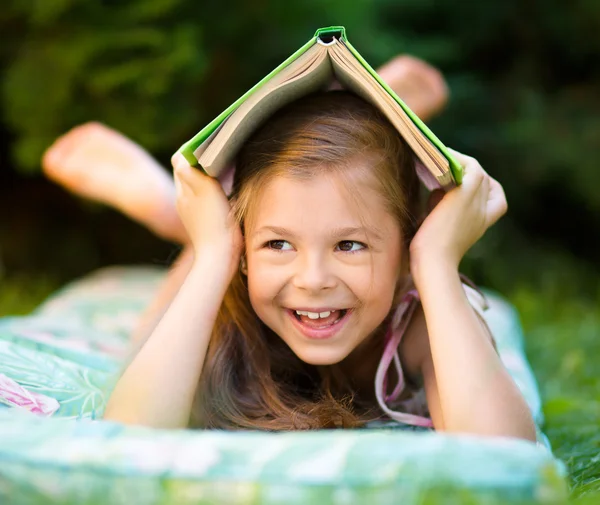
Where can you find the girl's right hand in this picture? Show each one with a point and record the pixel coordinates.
(206, 214)
(461, 217)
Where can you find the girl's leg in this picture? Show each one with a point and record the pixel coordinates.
(421, 86)
(98, 163)
(163, 298)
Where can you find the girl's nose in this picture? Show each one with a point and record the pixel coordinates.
(313, 274)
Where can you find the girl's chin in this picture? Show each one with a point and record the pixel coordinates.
(321, 356)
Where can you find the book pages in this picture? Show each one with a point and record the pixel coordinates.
(310, 72)
(317, 68)
(355, 78)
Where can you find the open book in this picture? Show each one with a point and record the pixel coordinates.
(326, 58)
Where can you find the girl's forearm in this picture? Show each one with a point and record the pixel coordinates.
(158, 387)
(476, 393)
(163, 299)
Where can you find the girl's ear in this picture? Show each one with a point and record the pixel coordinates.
(402, 278)
(243, 265)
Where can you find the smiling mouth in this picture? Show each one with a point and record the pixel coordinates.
(320, 328)
(324, 319)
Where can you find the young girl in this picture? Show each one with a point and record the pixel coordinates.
(300, 291)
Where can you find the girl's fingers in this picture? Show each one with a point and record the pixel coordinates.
(178, 161)
(463, 159)
(473, 173)
(189, 176)
(476, 178)
(182, 169)
(496, 205)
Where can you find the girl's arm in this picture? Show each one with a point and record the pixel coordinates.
(158, 387)
(468, 389)
(163, 298)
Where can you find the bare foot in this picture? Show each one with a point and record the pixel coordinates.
(421, 86)
(99, 163)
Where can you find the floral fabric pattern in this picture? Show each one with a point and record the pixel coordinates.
(14, 395)
(71, 350)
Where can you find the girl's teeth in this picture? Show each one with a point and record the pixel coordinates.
(315, 315)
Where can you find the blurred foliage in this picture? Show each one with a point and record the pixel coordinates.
(22, 293)
(524, 78)
(156, 70)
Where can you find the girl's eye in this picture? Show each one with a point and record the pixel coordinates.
(278, 245)
(351, 246)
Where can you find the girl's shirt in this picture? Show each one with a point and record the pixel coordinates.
(407, 402)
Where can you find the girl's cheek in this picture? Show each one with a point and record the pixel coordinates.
(264, 281)
(372, 277)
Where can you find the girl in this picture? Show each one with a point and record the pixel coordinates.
(299, 291)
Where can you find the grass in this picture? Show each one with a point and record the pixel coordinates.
(563, 346)
(20, 294)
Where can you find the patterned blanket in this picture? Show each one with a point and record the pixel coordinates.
(70, 350)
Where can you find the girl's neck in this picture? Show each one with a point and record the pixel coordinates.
(360, 366)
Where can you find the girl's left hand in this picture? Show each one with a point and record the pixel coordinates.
(461, 217)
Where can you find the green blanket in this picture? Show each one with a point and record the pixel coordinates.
(72, 348)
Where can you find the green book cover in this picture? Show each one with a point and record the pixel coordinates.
(324, 35)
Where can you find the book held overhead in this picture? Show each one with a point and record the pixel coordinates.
(326, 58)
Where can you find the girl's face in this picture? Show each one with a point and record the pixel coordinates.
(322, 265)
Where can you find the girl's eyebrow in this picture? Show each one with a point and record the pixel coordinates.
(336, 233)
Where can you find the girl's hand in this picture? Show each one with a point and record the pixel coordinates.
(461, 217)
(206, 215)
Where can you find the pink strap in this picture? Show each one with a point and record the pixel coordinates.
(398, 326)
(400, 322)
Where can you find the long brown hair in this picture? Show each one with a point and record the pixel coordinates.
(251, 379)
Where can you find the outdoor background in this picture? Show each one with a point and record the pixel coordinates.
(525, 100)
